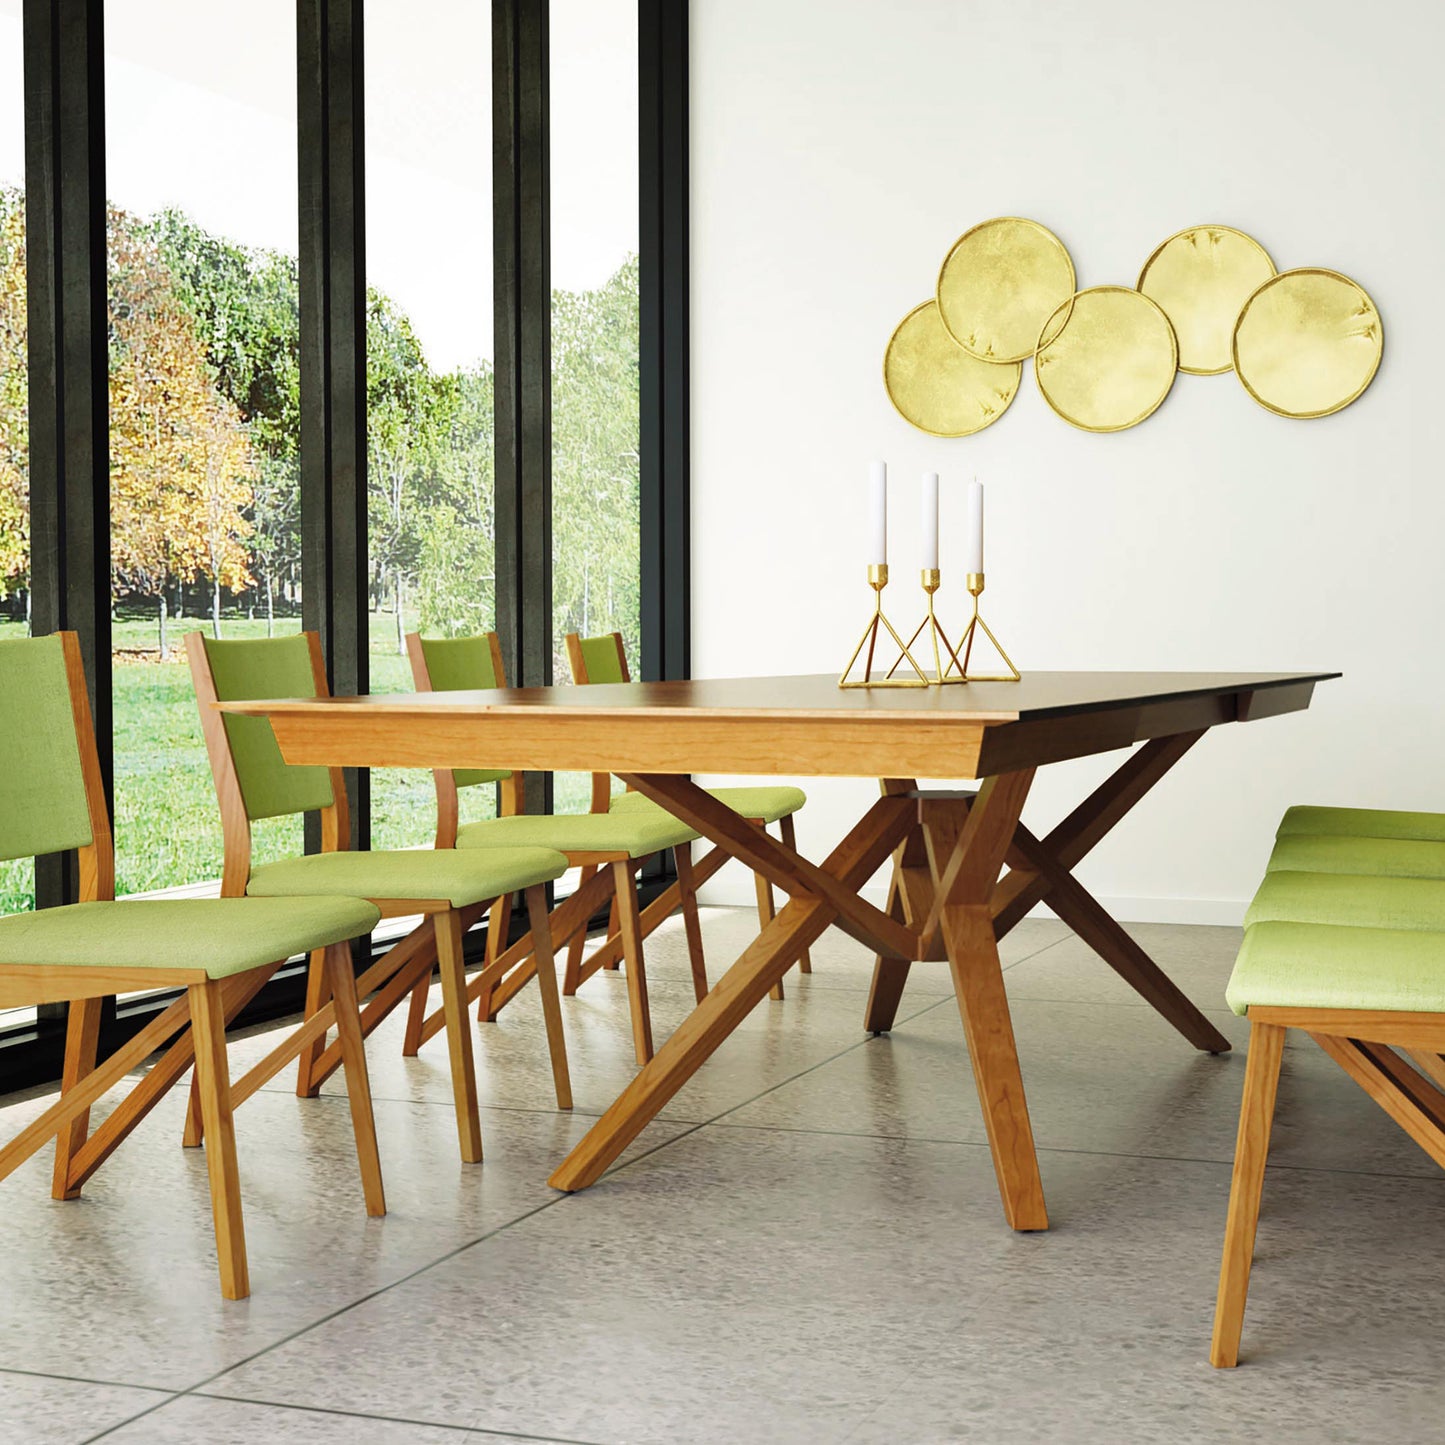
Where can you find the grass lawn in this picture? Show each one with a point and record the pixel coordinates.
(167, 826)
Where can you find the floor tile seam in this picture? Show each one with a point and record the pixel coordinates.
(559, 1198)
(85, 1380)
(131, 1419)
(391, 1419)
(1043, 948)
(589, 1112)
(867, 1038)
(1223, 1161)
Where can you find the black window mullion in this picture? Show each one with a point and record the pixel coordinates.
(332, 276)
(521, 186)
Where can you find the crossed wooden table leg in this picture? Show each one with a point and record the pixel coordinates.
(1041, 869)
(967, 840)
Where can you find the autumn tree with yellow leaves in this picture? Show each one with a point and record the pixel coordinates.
(181, 463)
(14, 421)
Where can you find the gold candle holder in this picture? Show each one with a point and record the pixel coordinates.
(976, 624)
(878, 580)
(932, 579)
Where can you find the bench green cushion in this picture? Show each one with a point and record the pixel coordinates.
(1335, 853)
(1363, 823)
(634, 834)
(459, 878)
(224, 936)
(1349, 899)
(1315, 965)
(767, 803)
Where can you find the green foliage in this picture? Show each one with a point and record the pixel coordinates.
(595, 431)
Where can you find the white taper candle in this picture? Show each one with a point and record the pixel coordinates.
(930, 521)
(974, 557)
(878, 514)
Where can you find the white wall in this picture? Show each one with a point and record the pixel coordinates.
(838, 149)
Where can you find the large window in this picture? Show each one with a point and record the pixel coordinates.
(595, 516)
(17, 878)
(428, 357)
(204, 395)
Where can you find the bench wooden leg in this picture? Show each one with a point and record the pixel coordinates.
(1256, 1114)
(459, 1034)
(342, 981)
(789, 835)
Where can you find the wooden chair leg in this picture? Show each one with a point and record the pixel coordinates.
(82, 1034)
(573, 975)
(613, 917)
(789, 835)
(499, 923)
(316, 995)
(766, 913)
(624, 903)
(342, 982)
(459, 1034)
(416, 1017)
(687, 893)
(537, 918)
(208, 1021)
(1256, 1114)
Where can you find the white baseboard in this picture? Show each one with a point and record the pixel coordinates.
(1221, 912)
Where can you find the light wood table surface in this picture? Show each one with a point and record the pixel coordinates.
(965, 869)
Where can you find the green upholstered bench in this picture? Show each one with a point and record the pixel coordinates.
(1345, 939)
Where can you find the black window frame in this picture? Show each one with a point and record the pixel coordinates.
(68, 368)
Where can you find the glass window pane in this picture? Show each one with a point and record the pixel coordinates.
(17, 877)
(595, 518)
(204, 395)
(429, 366)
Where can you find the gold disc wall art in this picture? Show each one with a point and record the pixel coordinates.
(1106, 359)
(1305, 342)
(1308, 343)
(1200, 279)
(999, 284)
(938, 386)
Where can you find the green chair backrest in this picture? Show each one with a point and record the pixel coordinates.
(463, 664)
(43, 807)
(602, 657)
(266, 667)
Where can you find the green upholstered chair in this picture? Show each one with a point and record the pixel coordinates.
(1344, 939)
(603, 659)
(450, 890)
(218, 952)
(611, 847)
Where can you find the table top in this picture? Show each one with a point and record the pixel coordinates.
(805, 725)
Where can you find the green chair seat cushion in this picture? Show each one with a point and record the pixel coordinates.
(1349, 900)
(224, 936)
(1315, 965)
(1335, 853)
(768, 803)
(637, 834)
(459, 878)
(1363, 823)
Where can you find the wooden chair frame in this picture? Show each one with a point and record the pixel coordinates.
(402, 970)
(605, 875)
(602, 803)
(196, 1022)
(1367, 1044)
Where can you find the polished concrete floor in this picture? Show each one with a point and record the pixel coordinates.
(806, 1246)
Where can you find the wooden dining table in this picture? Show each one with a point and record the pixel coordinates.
(965, 868)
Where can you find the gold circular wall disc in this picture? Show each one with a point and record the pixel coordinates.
(1107, 359)
(1201, 279)
(999, 284)
(1308, 343)
(936, 385)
